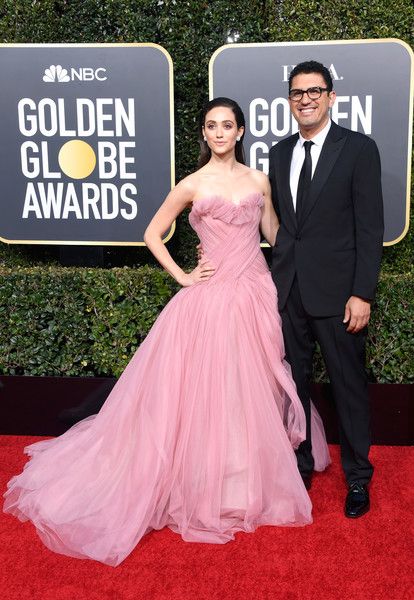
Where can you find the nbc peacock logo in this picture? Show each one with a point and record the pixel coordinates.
(56, 73)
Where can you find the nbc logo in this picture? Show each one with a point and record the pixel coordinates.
(56, 73)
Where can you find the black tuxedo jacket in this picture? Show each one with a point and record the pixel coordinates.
(335, 249)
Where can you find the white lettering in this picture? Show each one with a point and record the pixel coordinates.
(286, 71)
(76, 74)
(51, 200)
(127, 118)
(334, 74)
(364, 116)
(106, 117)
(88, 128)
(101, 117)
(25, 119)
(336, 114)
(31, 203)
(124, 160)
(62, 120)
(109, 193)
(71, 203)
(132, 203)
(285, 124)
(97, 76)
(259, 124)
(34, 162)
(90, 201)
(48, 118)
(88, 74)
(47, 174)
(107, 156)
(259, 148)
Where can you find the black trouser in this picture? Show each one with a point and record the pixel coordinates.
(344, 356)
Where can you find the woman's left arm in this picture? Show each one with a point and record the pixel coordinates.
(269, 223)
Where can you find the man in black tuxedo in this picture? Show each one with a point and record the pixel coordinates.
(326, 188)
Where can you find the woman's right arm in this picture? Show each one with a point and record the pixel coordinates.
(176, 201)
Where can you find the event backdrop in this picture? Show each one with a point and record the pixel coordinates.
(373, 80)
(87, 151)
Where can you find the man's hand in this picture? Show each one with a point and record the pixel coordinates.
(357, 313)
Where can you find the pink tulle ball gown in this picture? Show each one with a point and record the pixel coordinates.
(198, 433)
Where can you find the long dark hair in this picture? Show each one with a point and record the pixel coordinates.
(205, 152)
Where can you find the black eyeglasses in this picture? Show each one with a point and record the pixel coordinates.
(313, 93)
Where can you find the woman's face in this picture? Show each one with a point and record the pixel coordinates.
(220, 130)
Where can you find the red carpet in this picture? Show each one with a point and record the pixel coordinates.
(371, 558)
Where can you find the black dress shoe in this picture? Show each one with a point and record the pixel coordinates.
(357, 501)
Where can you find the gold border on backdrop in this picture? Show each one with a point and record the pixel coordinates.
(171, 104)
(323, 43)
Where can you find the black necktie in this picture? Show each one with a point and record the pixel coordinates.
(305, 178)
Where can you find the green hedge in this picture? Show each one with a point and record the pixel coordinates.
(88, 322)
(56, 321)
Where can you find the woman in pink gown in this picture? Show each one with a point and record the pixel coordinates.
(199, 432)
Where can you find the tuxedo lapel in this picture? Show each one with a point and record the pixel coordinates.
(331, 149)
(284, 178)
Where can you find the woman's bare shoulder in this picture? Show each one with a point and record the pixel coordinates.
(258, 176)
(188, 185)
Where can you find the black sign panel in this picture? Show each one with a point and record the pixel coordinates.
(373, 80)
(86, 142)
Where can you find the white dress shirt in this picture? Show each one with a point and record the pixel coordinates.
(298, 157)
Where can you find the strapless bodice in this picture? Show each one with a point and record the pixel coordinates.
(217, 207)
(229, 234)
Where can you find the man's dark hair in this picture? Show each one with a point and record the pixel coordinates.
(312, 66)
